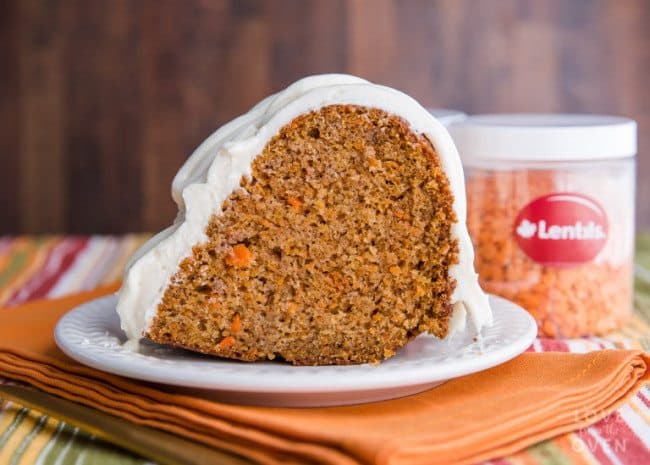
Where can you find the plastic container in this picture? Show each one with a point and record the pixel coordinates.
(446, 116)
(551, 215)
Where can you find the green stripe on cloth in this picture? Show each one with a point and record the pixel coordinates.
(642, 278)
(642, 255)
(547, 453)
(59, 447)
(16, 262)
(20, 249)
(53, 442)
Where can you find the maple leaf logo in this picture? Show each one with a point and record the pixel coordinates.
(526, 229)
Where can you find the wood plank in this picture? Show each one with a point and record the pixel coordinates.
(182, 83)
(42, 110)
(10, 179)
(305, 38)
(372, 40)
(103, 148)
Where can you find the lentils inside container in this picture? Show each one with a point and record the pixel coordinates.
(551, 215)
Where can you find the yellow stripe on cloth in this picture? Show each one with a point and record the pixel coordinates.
(37, 445)
(23, 424)
(7, 416)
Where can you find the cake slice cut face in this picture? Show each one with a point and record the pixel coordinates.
(338, 244)
(336, 249)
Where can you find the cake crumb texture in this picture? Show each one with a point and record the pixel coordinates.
(336, 250)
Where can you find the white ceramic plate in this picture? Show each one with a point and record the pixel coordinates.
(91, 335)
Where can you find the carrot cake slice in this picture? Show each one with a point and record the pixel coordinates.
(324, 226)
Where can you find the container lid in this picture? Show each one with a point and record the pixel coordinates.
(544, 137)
(446, 116)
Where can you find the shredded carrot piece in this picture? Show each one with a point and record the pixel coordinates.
(292, 307)
(394, 270)
(236, 323)
(226, 342)
(295, 202)
(240, 256)
(401, 214)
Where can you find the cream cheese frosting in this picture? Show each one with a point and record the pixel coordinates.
(216, 167)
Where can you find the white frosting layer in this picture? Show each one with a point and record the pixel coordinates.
(216, 167)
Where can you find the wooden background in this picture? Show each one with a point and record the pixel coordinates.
(101, 101)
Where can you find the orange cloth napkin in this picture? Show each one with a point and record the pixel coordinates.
(466, 420)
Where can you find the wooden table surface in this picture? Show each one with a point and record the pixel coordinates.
(101, 101)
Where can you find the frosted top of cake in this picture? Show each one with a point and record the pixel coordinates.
(215, 168)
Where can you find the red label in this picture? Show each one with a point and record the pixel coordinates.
(561, 229)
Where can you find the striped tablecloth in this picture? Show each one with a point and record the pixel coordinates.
(32, 268)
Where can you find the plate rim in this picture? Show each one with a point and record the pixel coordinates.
(385, 380)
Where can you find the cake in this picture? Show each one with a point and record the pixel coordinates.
(324, 226)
